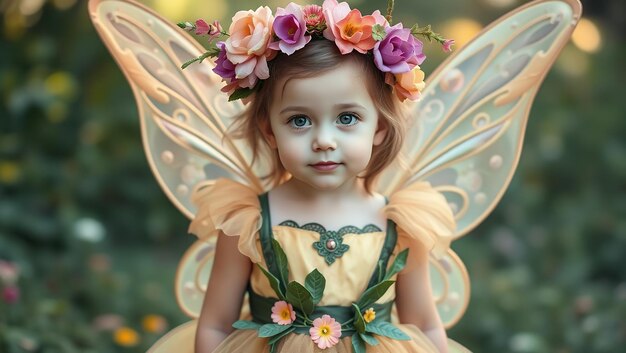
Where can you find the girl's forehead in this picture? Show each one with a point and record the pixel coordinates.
(341, 85)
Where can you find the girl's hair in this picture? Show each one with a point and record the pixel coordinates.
(320, 56)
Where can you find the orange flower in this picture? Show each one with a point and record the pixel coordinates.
(348, 28)
(126, 337)
(154, 324)
(409, 84)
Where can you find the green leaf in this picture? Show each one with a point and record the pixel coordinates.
(269, 330)
(381, 271)
(315, 283)
(358, 346)
(359, 322)
(378, 32)
(277, 338)
(281, 262)
(384, 328)
(373, 294)
(246, 325)
(300, 297)
(274, 283)
(240, 93)
(398, 263)
(369, 339)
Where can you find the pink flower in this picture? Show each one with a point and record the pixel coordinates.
(348, 28)
(314, 17)
(213, 30)
(399, 52)
(325, 332)
(447, 45)
(282, 313)
(290, 28)
(8, 272)
(247, 46)
(407, 85)
(11, 294)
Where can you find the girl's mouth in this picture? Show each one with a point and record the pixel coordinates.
(325, 166)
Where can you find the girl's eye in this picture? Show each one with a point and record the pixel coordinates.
(299, 122)
(347, 119)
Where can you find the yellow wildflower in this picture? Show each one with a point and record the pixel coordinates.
(126, 337)
(369, 315)
(154, 324)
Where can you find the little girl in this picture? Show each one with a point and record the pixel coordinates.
(333, 125)
(322, 262)
(309, 251)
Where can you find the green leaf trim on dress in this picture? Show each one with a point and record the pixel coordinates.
(304, 299)
(331, 246)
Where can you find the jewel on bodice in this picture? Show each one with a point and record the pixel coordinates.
(331, 246)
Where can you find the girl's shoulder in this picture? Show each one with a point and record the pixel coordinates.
(231, 208)
(422, 214)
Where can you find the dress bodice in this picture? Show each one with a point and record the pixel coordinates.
(347, 276)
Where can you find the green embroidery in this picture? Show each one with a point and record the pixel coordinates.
(331, 246)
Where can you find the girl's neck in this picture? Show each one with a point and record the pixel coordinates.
(347, 193)
(350, 204)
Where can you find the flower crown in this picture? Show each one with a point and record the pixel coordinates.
(256, 37)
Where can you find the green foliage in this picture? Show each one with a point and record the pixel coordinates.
(398, 264)
(270, 330)
(246, 325)
(315, 284)
(384, 328)
(300, 297)
(281, 263)
(359, 322)
(373, 294)
(274, 282)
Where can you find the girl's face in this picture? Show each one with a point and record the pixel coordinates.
(324, 127)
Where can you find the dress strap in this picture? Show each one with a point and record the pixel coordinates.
(266, 236)
(391, 238)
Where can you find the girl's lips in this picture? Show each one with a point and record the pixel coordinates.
(325, 166)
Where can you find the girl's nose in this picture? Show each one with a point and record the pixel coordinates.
(324, 140)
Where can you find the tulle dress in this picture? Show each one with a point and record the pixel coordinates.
(416, 214)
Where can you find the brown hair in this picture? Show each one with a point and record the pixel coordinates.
(316, 57)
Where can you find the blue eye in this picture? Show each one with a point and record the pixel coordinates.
(299, 121)
(347, 119)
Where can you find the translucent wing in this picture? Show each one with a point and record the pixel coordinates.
(184, 119)
(183, 114)
(467, 131)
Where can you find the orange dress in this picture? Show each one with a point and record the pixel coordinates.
(234, 209)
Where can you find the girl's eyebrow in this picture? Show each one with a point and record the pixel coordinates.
(336, 106)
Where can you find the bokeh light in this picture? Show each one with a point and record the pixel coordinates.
(587, 36)
(462, 30)
(188, 10)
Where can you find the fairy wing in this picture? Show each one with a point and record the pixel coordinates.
(184, 115)
(184, 119)
(467, 131)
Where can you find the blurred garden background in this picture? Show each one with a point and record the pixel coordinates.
(89, 243)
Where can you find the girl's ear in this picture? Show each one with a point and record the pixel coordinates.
(268, 135)
(381, 132)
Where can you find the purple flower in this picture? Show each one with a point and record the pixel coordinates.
(290, 28)
(223, 66)
(399, 52)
